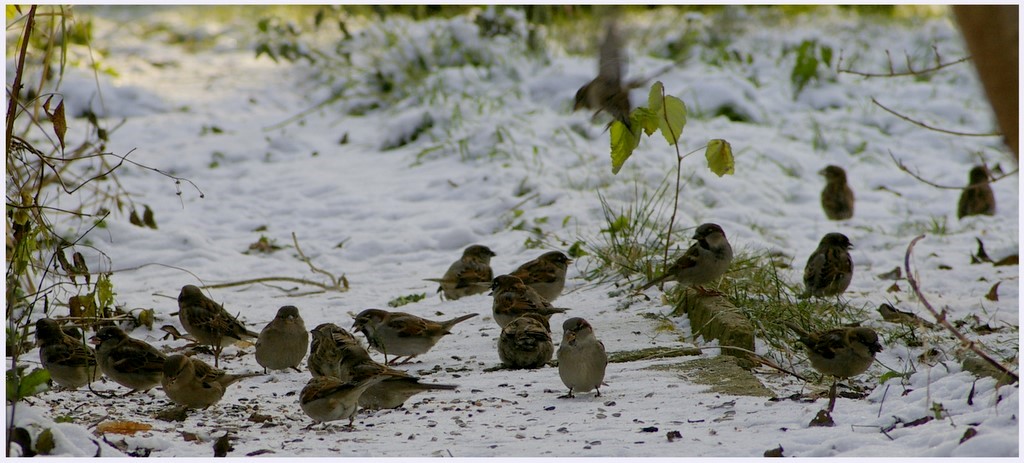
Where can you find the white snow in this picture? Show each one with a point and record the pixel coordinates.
(505, 155)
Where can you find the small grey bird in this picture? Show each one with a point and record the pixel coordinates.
(129, 362)
(840, 352)
(393, 391)
(402, 334)
(581, 358)
(977, 198)
(513, 299)
(325, 349)
(283, 343)
(526, 342)
(192, 383)
(325, 398)
(469, 275)
(704, 262)
(606, 92)
(829, 270)
(836, 197)
(545, 274)
(208, 322)
(71, 363)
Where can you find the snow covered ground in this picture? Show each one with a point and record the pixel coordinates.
(504, 149)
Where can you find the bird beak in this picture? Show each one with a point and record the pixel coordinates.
(570, 338)
(821, 172)
(94, 340)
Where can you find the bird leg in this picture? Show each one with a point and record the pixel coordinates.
(567, 396)
(216, 355)
(707, 292)
(297, 370)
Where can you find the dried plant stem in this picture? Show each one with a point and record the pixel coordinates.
(906, 169)
(936, 129)
(941, 317)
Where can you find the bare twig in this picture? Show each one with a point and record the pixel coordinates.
(906, 169)
(936, 129)
(340, 284)
(910, 68)
(941, 317)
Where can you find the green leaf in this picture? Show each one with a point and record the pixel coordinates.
(719, 156)
(645, 119)
(654, 97)
(104, 290)
(44, 442)
(30, 384)
(673, 119)
(623, 144)
(576, 250)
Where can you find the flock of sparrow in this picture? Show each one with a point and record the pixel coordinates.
(345, 377)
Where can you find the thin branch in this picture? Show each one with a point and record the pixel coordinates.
(941, 318)
(917, 176)
(339, 283)
(266, 279)
(12, 105)
(936, 129)
(892, 72)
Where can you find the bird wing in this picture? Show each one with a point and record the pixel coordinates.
(410, 325)
(70, 353)
(135, 357)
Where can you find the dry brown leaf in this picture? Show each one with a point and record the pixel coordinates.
(993, 294)
(122, 427)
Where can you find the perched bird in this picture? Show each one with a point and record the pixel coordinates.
(393, 391)
(837, 197)
(283, 342)
(581, 358)
(208, 322)
(545, 274)
(71, 363)
(704, 262)
(326, 398)
(606, 91)
(402, 334)
(977, 198)
(325, 349)
(192, 383)
(829, 270)
(526, 342)
(469, 275)
(839, 352)
(513, 299)
(129, 362)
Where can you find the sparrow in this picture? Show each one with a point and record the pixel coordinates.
(70, 362)
(839, 352)
(325, 349)
(581, 358)
(393, 391)
(326, 398)
(283, 342)
(402, 334)
(208, 322)
(830, 268)
(704, 262)
(469, 275)
(526, 342)
(977, 198)
(545, 274)
(837, 197)
(606, 91)
(129, 362)
(193, 383)
(513, 299)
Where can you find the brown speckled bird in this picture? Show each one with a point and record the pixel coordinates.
(402, 334)
(71, 363)
(392, 392)
(325, 398)
(545, 274)
(325, 349)
(839, 352)
(581, 358)
(129, 362)
(606, 92)
(192, 383)
(469, 275)
(829, 270)
(208, 322)
(836, 197)
(526, 342)
(513, 299)
(977, 198)
(704, 262)
(283, 342)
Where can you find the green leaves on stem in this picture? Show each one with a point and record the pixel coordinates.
(665, 114)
